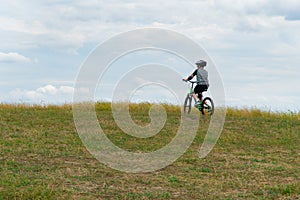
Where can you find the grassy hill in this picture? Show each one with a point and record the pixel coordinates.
(42, 157)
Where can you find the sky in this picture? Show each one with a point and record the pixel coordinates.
(255, 45)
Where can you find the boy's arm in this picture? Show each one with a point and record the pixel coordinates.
(191, 76)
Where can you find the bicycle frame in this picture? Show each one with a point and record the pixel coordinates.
(192, 87)
(206, 107)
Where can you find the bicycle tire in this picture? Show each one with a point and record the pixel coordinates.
(187, 104)
(208, 106)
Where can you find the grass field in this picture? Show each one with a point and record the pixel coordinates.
(42, 157)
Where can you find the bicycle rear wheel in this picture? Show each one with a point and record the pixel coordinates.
(208, 106)
(187, 104)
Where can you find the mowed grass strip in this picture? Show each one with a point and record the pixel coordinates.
(42, 157)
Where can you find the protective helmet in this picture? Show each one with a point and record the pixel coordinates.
(201, 63)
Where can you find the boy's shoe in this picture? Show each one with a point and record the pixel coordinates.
(198, 104)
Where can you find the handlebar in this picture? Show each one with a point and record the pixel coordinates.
(190, 81)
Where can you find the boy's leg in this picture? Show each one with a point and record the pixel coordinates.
(201, 102)
(195, 97)
(197, 100)
(200, 96)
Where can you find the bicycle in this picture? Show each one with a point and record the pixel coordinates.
(206, 107)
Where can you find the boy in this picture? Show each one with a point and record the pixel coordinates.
(202, 81)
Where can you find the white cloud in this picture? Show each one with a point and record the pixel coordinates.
(13, 57)
(45, 94)
(20, 25)
(72, 24)
(48, 89)
(66, 89)
(18, 95)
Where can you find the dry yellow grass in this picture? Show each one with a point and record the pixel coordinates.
(42, 157)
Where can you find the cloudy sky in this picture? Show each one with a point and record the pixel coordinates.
(254, 44)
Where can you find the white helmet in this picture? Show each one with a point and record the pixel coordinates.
(202, 63)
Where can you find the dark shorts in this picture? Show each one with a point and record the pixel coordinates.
(200, 88)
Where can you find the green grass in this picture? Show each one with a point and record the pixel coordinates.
(42, 157)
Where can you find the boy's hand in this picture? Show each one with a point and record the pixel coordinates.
(184, 79)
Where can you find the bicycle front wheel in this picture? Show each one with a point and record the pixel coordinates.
(187, 104)
(208, 106)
